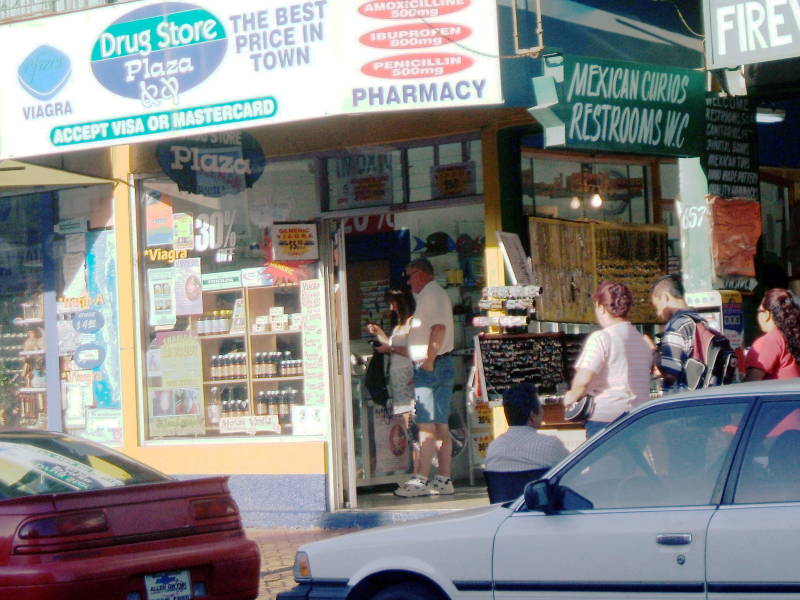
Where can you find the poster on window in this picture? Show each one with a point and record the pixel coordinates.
(182, 231)
(360, 180)
(161, 296)
(78, 397)
(104, 426)
(391, 443)
(453, 181)
(188, 287)
(159, 224)
(295, 241)
(73, 267)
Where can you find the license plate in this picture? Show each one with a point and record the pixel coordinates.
(174, 585)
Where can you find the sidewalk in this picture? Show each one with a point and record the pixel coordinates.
(277, 555)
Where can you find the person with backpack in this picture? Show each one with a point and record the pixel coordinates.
(776, 354)
(691, 354)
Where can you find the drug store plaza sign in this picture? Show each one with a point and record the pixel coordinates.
(594, 104)
(149, 70)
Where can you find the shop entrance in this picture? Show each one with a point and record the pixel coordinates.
(380, 438)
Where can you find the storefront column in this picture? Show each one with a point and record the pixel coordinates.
(496, 170)
(695, 226)
(493, 210)
(123, 228)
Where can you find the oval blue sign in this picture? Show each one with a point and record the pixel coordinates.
(88, 321)
(215, 165)
(89, 356)
(157, 52)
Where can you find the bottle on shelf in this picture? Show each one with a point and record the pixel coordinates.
(226, 402)
(284, 410)
(261, 403)
(201, 325)
(213, 409)
(244, 402)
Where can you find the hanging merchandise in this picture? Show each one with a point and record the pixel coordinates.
(375, 379)
(735, 229)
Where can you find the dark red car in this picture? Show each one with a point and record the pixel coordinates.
(79, 521)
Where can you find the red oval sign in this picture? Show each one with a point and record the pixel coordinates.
(415, 36)
(411, 9)
(417, 66)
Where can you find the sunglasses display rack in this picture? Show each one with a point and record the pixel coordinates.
(545, 359)
(508, 359)
(517, 302)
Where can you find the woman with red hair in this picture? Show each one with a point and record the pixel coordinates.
(614, 366)
(776, 354)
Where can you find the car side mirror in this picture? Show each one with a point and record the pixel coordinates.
(540, 496)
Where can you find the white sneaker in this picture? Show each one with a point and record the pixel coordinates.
(416, 486)
(442, 486)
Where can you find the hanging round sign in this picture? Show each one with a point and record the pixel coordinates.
(213, 165)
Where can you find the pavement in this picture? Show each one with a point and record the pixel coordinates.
(277, 555)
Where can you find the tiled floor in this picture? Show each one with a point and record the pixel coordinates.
(465, 497)
(277, 555)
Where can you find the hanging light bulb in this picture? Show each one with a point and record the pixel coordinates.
(596, 200)
(575, 203)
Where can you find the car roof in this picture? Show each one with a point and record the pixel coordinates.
(751, 388)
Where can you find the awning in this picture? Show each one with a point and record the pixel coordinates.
(19, 175)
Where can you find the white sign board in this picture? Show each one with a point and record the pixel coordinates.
(743, 32)
(145, 71)
(517, 263)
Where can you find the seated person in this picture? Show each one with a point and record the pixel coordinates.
(522, 447)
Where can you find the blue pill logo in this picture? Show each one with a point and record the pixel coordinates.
(44, 72)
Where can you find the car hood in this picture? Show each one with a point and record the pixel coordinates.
(443, 548)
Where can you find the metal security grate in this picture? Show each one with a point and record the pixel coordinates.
(11, 10)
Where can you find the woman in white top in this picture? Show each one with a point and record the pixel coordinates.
(401, 369)
(614, 366)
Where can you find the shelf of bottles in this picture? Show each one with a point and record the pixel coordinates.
(251, 344)
(22, 365)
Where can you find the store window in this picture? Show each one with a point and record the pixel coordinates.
(774, 221)
(24, 224)
(232, 338)
(448, 170)
(59, 362)
(583, 189)
(385, 176)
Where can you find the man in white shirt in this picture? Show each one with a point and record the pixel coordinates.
(522, 447)
(430, 345)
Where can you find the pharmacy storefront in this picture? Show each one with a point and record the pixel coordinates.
(230, 134)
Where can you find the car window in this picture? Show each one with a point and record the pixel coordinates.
(43, 463)
(670, 457)
(771, 466)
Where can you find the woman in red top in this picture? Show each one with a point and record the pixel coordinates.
(776, 354)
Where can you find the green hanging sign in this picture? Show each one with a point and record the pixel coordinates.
(603, 105)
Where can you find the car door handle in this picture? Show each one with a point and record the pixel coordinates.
(674, 539)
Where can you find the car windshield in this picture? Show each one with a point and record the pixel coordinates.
(44, 463)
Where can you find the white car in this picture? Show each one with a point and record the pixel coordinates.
(695, 496)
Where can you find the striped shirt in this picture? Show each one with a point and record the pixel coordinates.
(620, 361)
(677, 345)
(522, 448)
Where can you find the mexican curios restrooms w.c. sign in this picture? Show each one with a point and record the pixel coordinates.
(594, 104)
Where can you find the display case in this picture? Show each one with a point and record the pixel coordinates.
(238, 367)
(22, 376)
(251, 349)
